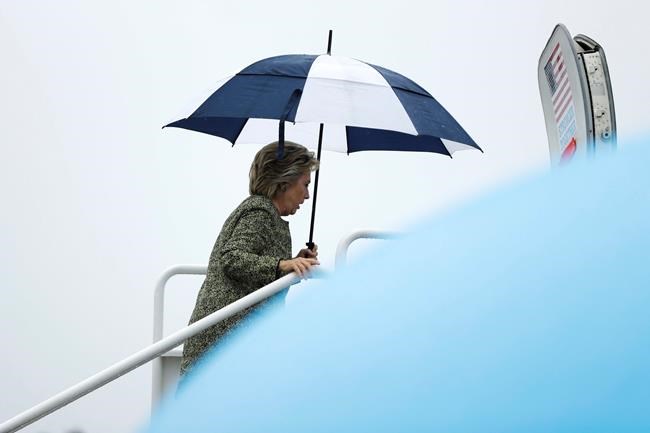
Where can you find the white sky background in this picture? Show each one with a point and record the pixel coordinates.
(97, 200)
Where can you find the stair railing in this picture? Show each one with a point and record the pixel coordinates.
(143, 356)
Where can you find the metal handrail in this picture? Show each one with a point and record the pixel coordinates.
(157, 380)
(143, 356)
(158, 308)
(344, 244)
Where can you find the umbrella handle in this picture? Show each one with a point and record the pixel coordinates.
(310, 245)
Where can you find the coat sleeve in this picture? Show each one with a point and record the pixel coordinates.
(245, 256)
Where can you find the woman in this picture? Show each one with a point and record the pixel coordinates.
(254, 246)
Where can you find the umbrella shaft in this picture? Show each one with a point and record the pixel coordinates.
(310, 244)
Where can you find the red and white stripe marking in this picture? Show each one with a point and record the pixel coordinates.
(562, 97)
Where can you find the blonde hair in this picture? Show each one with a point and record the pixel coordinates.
(270, 175)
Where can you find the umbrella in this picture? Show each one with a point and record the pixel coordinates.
(528, 313)
(365, 107)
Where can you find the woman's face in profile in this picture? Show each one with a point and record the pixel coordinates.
(296, 193)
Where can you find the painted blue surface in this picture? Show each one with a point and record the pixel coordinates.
(526, 311)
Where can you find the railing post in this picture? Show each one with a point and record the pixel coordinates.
(158, 322)
(344, 244)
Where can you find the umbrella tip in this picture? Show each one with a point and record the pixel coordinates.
(329, 44)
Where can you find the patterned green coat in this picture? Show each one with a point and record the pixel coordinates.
(245, 258)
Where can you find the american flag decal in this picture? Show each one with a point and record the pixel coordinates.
(558, 81)
(557, 78)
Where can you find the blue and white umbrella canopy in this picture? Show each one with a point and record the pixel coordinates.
(365, 107)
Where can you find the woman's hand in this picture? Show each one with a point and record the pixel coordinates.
(300, 265)
(309, 254)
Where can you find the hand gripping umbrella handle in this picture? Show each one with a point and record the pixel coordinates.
(310, 244)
